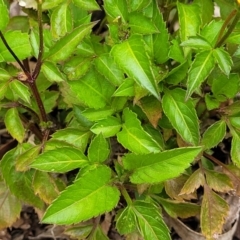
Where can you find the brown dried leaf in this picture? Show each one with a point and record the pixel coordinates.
(194, 182)
(214, 210)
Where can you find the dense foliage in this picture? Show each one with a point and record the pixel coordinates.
(120, 115)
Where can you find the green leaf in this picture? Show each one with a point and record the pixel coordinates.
(25, 159)
(159, 54)
(158, 167)
(45, 186)
(126, 221)
(48, 4)
(150, 222)
(21, 91)
(131, 57)
(189, 20)
(182, 115)
(19, 43)
(214, 210)
(235, 148)
(214, 134)
(197, 42)
(77, 67)
(206, 10)
(98, 150)
(109, 127)
(200, 69)
(211, 101)
(93, 89)
(116, 8)
(89, 5)
(14, 125)
(10, 207)
(218, 181)
(226, 86)
(137, 5)
(4, 15)
(63, 48)
(4, 75)
(73, 136)
(223, 60)
(60, 160)
(107, 67)
(146, 27)
(176, 52)
(97, 114)
(133, 137)
(95, 196)
(61, 21)
(51, 72)
(125, 89)
(179, 209)
(17, 181)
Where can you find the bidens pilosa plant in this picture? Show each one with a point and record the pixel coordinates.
(124, 115)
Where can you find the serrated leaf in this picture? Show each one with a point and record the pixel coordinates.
(126, 221)
(45, 186)
(48, 4)
(133, 137)
(146, 27)
(150, 222)
(223, 60)
(94, 197)
(89, 5)
(152, 108)
(61, 21)
(73, 136)
(218, 181)
(214, 134)
(77, 67)
(107, 67)
(189, 20)
(19, 43)
(63, 48)
(51, 72)
(133, 60)
(98, 150)
(213, 213)
(196, 180)
(226, 86)
(97, 114)
(10, 207)
(4, 15)
(116, 8)
(17, 181)
(206, 10)
(25, 159)
(93, 89)
(182, 115)
(158, 167)
(179, 209)
(197, 42)
(159, 54)
(176, 52)
(21, 91)
(60, 160)
(14, 125)
(200, 69)
(109, 127)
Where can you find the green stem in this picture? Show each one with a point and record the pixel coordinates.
(126, 195)
(222, 38)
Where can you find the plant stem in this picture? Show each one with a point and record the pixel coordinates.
(126, 195)
(43, 115)
(14, 55)
(41, 46)
(222, 38)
